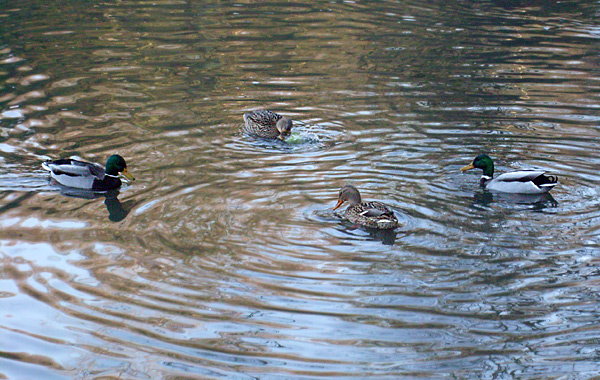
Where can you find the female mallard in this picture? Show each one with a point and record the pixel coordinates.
(368, 214)
(519, 182)
(267, 124)
(85, 175)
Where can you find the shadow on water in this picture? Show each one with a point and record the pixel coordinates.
(31, 185)
(386, 237)
(117, 211)
(229, 262)
(537, 202)
(17, 202)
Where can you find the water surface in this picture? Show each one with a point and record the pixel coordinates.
(224, 258)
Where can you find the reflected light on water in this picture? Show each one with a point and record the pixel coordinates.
(224, 258)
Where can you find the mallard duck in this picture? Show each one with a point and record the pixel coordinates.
(368, 214)
(85, 175)
(518, 182)
(267, 124)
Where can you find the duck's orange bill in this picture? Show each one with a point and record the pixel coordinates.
(338, 204)
(125, 173)
(468, 167)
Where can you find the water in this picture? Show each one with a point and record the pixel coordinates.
(224, 258)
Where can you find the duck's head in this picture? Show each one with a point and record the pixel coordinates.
(348, 193)
(115, 165)
(484, 162)
(284, 126)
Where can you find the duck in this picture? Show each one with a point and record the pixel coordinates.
(368, 214)
(85, 175)
(517, 182)
(267, 124)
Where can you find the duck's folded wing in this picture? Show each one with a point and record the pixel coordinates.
(97, 171)
(525, 182)
(372, 212)
(263, 117)
(74, 168)
(520, 176)
(376, 210)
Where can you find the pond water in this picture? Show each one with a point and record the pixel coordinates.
(224, 258)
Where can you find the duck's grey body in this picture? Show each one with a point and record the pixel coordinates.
(518, 182)
(88, 176)
(522, 182)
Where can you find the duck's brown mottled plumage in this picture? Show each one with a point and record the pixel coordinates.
(368, 214)
(267, 124)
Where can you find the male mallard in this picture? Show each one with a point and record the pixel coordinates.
(521, 182)
(85, 175)
(368, 214)
(267, 124)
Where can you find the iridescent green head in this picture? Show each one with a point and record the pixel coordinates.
(484, 162)
(115, 165)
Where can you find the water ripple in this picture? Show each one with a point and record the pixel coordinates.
(224, 259)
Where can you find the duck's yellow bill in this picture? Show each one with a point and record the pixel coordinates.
(468, 167)
(125, 173)
(338, 204)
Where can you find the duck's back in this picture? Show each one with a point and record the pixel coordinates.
(262, 123)
(372, 214)
(74, 168)
(523, 182)
(80, 175)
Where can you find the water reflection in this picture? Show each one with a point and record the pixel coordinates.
(228, 262)
(386, 237)
(116, 210)
(537, 202)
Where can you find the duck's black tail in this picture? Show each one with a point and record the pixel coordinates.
(546, 181)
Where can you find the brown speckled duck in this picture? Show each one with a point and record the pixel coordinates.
(267, 124)
(368, 214)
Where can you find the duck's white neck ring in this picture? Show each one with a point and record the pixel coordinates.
(485, 177)
(110, 175)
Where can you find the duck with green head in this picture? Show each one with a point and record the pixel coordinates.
(518, 182)
(369, 214)
(267, 124)
(84, 175)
